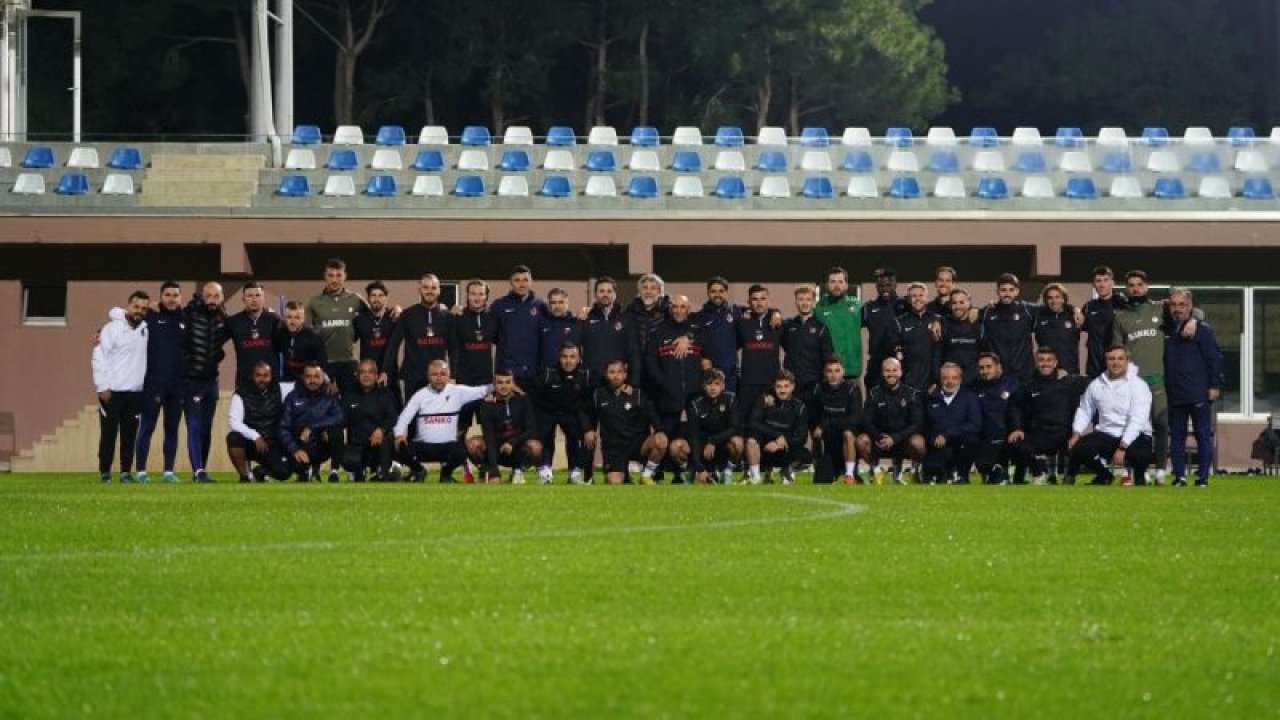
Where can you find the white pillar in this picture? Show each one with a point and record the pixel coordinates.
(260, 98)
(284, 69)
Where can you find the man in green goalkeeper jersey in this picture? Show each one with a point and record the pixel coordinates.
(841, 311)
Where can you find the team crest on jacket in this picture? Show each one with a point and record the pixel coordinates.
(1155, 320)
(617, 326)
(533, 311)
(1016, 317)
(626, 406)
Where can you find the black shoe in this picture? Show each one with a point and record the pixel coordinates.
(303, 477)
(1103, 479)
(1201, 482)
(333, 476)
(259, 474)
(417, 476)
(1179, 482)
(447, 479)
(244, 479)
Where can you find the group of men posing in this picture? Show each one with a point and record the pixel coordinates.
(365, 385)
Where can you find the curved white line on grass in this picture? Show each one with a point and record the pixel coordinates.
(837, 509)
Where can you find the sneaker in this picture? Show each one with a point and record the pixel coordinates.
(126, 478)
(517, 477)
(467, 477)
(754, 479)
(1179, 482)
(1202, 482)
(643, 479)
(202, 477)
(575, 477)
(259, 473)
(106, 477)
(1040, 479)
(850, 479)
(877, 475)
(899, 478)
(447, 479)
(726, 477)
(302, 477)
(788, 477)
(141, 477)
(545, 476)
(333, 476)
(170, 476)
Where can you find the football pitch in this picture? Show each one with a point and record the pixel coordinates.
(389, 601)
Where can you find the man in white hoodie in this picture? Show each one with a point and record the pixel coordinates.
(1118, 406)
(119, 370)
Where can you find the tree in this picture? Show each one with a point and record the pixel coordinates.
(350, 25)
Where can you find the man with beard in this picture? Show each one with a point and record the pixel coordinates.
(953, 419)
(559, 398)
(257, 409)
(759, 339)
(253, 331)
(676, 376)
(841, 311)
(607, 334)
(1058, 327)
(777, 428)
(163, 389)
(994, 389)
(433, 413)
(370, 420)
(807, 343)
(332, 313)
(298, 346)
(1007, 328)
(374, 325)
(620, 420)
(645, 312)
(718, 320)
(509, 436)
(311, 426)
(892, 423)
(518, 315)
(424, 331)
(119, 375)
(1118, 406)
(206, 333)
(944, 281)
(880, 318)
(918, 333)
(557, 327)
(961, 336)
(1040, 415)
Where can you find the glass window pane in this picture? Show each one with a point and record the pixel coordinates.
(1266, 351)
(1224, 311)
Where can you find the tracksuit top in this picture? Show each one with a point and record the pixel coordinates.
(561, 393)
(960, 341)
(786, 419)
(838, 407)
(622, 418)
(608, 336)
(298, 349)
(332, 316)
(206, 333)
(1192, 366)
(993, 398)
(305, 409)
(760, 344)
(519, 320)
(677, 379)
(719, 334)
(553, 333)
(843, 317)
(1099, 324)
(1140, 329)
(166, 334)
(508, 421)
(921, 354)
(369, 410)
(1007, 331)
(880, 318)
(473, 337)
(425, 335)
(374, 333)
(645, 320)
(713, 421)
(120, 358)
(958, 421)
(434, 413)
(1119, 408)
(1046, 405)
(254, 341)
(897, 412)
(807, 344)
(1060, 332)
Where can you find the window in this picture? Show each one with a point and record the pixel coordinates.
(1266, 350)
(44, 303)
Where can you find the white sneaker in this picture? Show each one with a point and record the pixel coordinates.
(544, 476)
(634, 468)
(141, 478)
(755, 479)
(1040, 480)
(788, 477)
(170, 477)
(517, 477)
(877, 476)
(575, 477)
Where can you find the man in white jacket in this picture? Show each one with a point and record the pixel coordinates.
(119, 370)
(433, 411)
(1118, 406)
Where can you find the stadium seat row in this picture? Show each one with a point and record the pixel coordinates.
(818, 187)
(858, 161)
(73, 184)
(732, 136)
(41, 157)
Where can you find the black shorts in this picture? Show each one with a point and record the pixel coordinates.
(618, 453)
(791, 456)
(723, 456)
(236, 441)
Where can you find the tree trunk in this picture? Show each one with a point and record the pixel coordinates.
(241, 38)
(793, 105)
(496, 114)
(344, 88)
(764, 91)
(602, 64)
(642, 113)
(428, 100)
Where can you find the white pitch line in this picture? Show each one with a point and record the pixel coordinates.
(837, 509)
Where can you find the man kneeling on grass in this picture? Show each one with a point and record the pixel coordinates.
(371, 418)
(629, 427)
(509, 433)
(1118, 405)
(433, 411)
(715, 439)
(311, 429)
(254, 419)
(777, 429)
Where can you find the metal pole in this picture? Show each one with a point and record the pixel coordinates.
(284, 68)
(8, 66)
(260, 108)
(75, 79)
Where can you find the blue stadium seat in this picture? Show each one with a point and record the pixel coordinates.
(1240, 136)
(643, 186)
(1031, 161)
(644, 136)
(772, 161)
(984, 137)
(731, 188)
(306, 135)
(992, 188)
(904, 187)
(818, 188)
(944, 161)
(341, 159)
(729, 136)
(514, 161)
(1257, 189)
(556, 186)
(1069, 137)
(561, 136)
(469, 186)
(1169, 189)
(1204, 162)
(859, 161)
(601, 161)
(39, 158)
(381, 186)
(126, 158)
(429, 161)
(390, 135)
(1081, 188)
(73, 184)
(686, 161)
(814, 137)
(475, 135)
(899, 137)
(1117, 162)
(1156, 136)
(294, 186)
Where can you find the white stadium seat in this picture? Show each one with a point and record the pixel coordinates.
(687, 135)
(988, 161)
(118, 184)
(433, 135)
(1075, 161)
(300, 159)
(815, 161)
(856, 137)
(1026, 136)
(427, 186)
(518, 135)
(730, 161)
(687, 186)
(1197, 136)
(386, 159)
(644, 161)
(83, 157)
(29, 184)
(6, 158)
(862, 186)
(602, 135)
(1037, 186)
(473, 160)
(950, 187)
(940, 136)
(1250, 161)
(775, 186)
(1215, 187)
(340, 186)
(902, 161)
(1163, 161)
(772, 136)
(348, 135)
(558, 160)
(601, 186)
(1112, 137)
(513, 186)
(1125, 186)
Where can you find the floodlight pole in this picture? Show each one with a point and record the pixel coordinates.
(260, 112)
(14, 65)
(284, 68)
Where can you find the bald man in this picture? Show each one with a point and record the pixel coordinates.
(206, 333)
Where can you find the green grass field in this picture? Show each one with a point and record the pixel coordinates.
(389, 601)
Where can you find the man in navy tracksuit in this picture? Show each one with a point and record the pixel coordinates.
(994, 389)
(1193, 378)
(953, 423)
(607, 334)
(557, 327)
(519, 315)
(717, 322)
(311, 428)
(163, 388)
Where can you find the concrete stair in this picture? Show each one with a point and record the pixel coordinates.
(73, 447)
(201, 180)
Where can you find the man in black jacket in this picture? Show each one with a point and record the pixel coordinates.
(252, 332)
(298, 346)
(374, 324)
(424, 331)
(837, 415)
(807, 342)
(1008, 327)
(715, 432)
(254, 420)
(371, 420)
(880, 318)
(919, 330)
(608, 334)
(628, 427)
(509, 436)
(1099, 319)
(1040, 415)
(675, 361)
(961, 335)
(560, 397)
(759, 339)
(475, 329)
(892, 422)
(206, 334)
(777, 429)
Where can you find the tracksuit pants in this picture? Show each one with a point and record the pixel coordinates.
(118, 416)
(200, 405)
(154, 401)
(1201, 416)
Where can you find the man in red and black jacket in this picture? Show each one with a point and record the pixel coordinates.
(759, 340)
(424, 331)
(471, 346)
